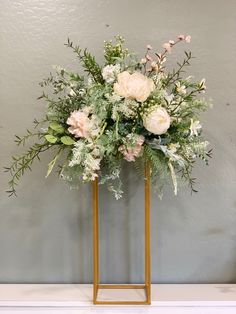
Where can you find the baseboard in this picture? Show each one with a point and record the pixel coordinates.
(76, 295)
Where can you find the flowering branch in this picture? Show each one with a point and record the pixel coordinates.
(172, 78)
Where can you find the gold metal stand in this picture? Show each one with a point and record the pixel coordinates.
(147, 285)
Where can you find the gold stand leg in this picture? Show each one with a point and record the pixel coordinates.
(147, 187)
(147, 285)
(95, 241)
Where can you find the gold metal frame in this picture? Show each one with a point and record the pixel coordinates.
(147, 285)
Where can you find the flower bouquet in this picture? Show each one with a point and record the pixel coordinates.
(129, 109)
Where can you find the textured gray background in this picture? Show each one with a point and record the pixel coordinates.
(45, 233)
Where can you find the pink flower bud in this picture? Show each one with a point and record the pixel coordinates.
(149, 47)
(171, 42)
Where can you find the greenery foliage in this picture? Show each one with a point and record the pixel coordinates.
(126, 109)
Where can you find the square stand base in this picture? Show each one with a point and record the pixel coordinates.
(109, 294)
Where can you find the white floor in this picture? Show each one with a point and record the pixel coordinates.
(166, 299)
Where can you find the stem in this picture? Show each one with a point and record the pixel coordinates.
(169, 80)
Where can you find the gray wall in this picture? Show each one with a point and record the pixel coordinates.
(46, 232)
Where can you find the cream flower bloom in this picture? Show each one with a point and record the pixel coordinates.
(109, 72)
(157, 121)
(181, 89)
(134, 86)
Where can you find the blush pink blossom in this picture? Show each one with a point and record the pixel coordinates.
(167, 47)
(131, 152)
(188, 39)
(181, 37)
(79, 123)
(148, 57)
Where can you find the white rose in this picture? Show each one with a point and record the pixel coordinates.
(134, 86)
(157, 121)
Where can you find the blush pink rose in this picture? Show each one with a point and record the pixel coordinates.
(79, 124)
(130, 153)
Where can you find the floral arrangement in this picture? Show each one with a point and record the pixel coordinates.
(129, 109)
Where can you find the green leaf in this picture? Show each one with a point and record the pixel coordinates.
(103, 140)
(67, 140)
(50, 138)
(52, 163)
(173, 176)
(56, 127)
